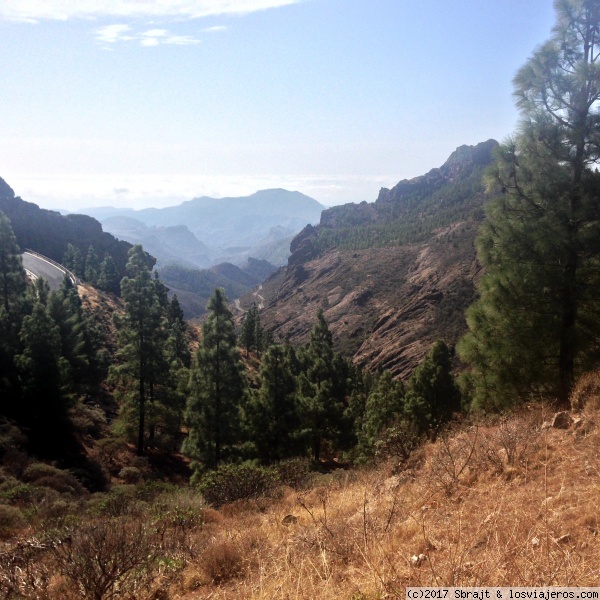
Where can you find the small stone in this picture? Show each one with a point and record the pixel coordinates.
(535, 542)
(563, 539)
(562, 420)
(417, 561)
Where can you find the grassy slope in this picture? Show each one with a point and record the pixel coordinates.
(504, 503)
(474, 519)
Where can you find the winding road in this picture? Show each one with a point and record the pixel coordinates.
(39, 266)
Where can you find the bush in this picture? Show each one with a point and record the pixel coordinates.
(121, 500)
(108, 559)
(44, 475)
(237, 482)
(130, 474)
(11, 520)
(16, 492)
(222, 561)
(586, 392)
(294, 472)
(88, 419)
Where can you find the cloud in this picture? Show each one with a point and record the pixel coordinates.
(181, 40)
(215, 29)
(111, 34)
(39, 10)
(156, 33)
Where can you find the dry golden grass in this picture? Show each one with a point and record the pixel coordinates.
(507, 503)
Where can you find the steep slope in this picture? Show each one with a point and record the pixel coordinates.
(49, 232)
(392, 276)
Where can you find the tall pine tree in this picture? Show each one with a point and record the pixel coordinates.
(322, 407)
(273, 411)
(537, 322)
(217, 390)
(12, 275)
(142, 334)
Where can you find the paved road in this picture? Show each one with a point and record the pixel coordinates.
(42, 268)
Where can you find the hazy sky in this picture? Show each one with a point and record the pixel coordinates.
(151, 102)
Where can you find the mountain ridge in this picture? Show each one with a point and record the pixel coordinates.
(391, 276)
(230, 229)
(48, 232)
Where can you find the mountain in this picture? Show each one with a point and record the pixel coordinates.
(233, 229)
(175, 244)
(391, 276)
(48, 232)
(194, 287)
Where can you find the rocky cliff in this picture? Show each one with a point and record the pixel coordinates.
(391, 276)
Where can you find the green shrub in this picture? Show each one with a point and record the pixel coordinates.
(294, 472)
(130, 474)
(11, 519)
(14, 491)
(150, 490)
(237, 482)
(89, 419)
(45, 475)
(121, 500)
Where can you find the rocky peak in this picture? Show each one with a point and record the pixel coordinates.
(5, 190)
(394, 275)
(460, 163)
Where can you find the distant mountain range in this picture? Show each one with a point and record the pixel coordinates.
(205, 231)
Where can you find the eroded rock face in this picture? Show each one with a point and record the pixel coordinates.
(387, 305)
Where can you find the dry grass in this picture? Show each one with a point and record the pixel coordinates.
(507, 503)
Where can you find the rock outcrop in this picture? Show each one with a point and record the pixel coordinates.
(388, 299)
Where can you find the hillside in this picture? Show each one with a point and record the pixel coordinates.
(494, 503)
(391, 276)
(195, 286)
(49, 232)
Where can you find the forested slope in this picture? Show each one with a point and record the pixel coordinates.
(49, 233)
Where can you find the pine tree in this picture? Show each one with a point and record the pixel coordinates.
(78, 263)
(216, 390)
(322, 408)
(273, 411)
(39, 368)
(177, 345)
(12, 275)
(68, 259)
(384, 404)
(108, 279)
(77, 349)
(248, 334)
(12, 310)
(92, 266)
(536, 324)
(433, 395)
(142, 334)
